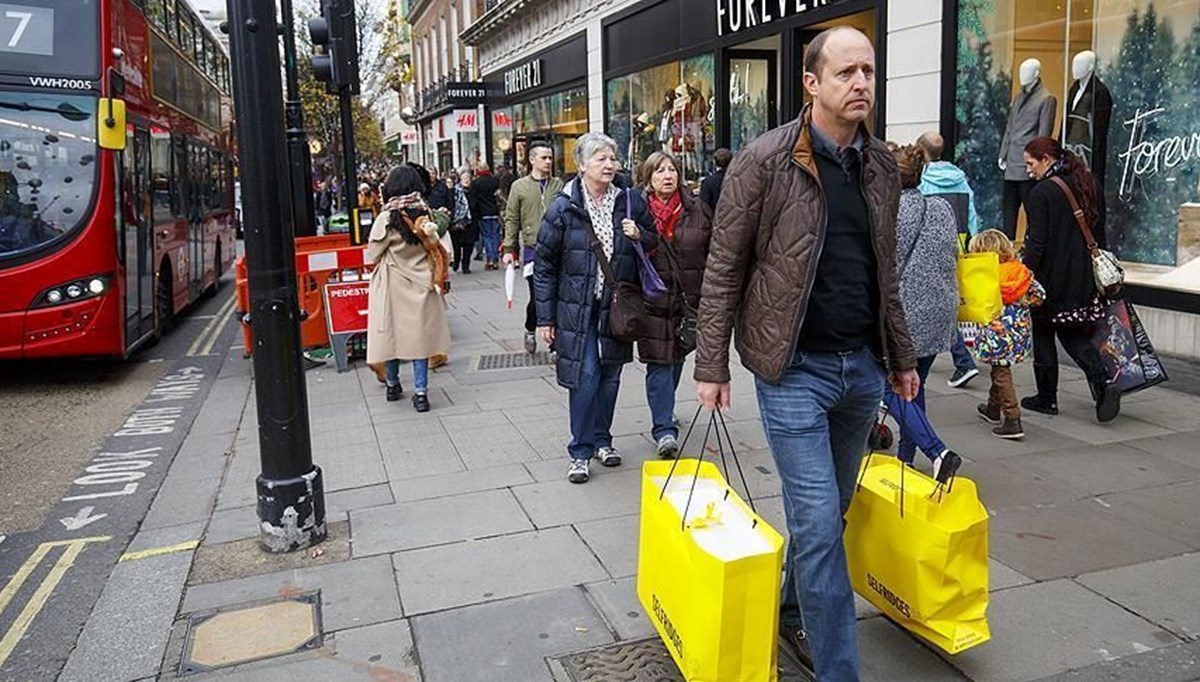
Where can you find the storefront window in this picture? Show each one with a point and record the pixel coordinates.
(750, 84)
(668, 107)
(1136, 121)
(557, 118)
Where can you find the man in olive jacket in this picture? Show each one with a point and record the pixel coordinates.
(802, 266)
(528, 199)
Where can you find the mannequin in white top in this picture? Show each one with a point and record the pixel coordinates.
(1032, 115)
(1088, 114)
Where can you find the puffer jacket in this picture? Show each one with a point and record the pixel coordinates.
(692, 234)
(767, 237)
(564, 276)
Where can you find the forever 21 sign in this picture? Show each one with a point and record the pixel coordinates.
(523, 77)
(740, 15)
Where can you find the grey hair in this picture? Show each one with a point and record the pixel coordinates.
(588, 145)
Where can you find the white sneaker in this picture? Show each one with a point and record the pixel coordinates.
(578, 473)
(668, 447)
(609, 456)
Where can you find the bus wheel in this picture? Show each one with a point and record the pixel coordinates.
(164, 300)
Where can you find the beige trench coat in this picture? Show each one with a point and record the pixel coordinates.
(406, 313)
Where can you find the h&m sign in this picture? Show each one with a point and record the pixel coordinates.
(741, 15)
(523, 77)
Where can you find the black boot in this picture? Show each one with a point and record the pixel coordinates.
(395, 393)
(1108, 402)
(420, 402)
(1040, 403)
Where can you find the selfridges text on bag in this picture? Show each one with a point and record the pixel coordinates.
(1106, 269)
(709, 570)
(918, 552)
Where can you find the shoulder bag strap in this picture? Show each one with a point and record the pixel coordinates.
(1079, 217)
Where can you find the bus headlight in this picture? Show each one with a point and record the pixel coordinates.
(73, 291)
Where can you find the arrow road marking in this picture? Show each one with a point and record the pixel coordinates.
(81, 519)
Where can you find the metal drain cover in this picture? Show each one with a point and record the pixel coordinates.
(518, 360)
(647, 660)
(241, 634)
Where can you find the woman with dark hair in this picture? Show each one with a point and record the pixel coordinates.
(684, 226)
(406, 311)
(1057, 253)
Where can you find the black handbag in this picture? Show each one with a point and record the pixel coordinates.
(686, 325)
(627, 308)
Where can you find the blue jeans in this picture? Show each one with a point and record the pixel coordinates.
(420, 374)
(817, 420)
(489, 227)
(661, 384)
(962, 357)
(594, 398)
(915, 429)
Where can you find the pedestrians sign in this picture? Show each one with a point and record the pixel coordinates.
(346, 305)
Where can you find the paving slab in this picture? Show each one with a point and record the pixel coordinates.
(1111, 468)
(1006, 484)
(888, 653)
(440, 521)
(1048, 628)
(979, 445)
(614, 541)
(617, 600)
(534, 627)
(609, 493)
(466, 573)
(1168, 409)
(492, 446)
(1002, 577)
(409, 452)
(1082, 425)
(1170, 510)
(1177, 663)
(1179, 447)
(130, 626)
(353, 593)
(353, 465)
(1163, 592)
(1068, 540)
(459, 483)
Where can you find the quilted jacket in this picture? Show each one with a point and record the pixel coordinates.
(767, 237)
(564, 276)
(692, 234)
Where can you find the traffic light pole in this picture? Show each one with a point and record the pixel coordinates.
(291, 499)
(350, 165)
(299, 158)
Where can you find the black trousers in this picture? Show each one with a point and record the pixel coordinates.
(462, 252)
(1077, 341)
(530, 309)
(1016, 194)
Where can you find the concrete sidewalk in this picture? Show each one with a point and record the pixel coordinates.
(458, 551)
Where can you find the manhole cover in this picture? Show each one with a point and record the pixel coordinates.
(241, 634)
(513, 361)
(647, 660)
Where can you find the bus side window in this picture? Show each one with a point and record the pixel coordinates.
(179, 178)
(162, 186)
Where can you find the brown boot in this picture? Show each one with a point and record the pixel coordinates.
(988, 413)
(1009, 430)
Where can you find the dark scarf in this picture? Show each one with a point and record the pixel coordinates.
(666, 213)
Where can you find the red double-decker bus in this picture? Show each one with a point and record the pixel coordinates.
(100, 246)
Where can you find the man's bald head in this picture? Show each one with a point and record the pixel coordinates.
(933, 145)
(814, 56)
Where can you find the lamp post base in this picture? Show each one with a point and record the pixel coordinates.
(291, 512)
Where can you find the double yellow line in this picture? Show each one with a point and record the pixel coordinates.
(42, 594)
(204, 343)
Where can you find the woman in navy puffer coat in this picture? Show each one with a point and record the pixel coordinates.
(572, 302)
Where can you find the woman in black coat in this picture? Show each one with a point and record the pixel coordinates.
(1058, 255)
(684, 227)
(572, 299)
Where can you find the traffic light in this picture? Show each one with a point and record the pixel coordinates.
(335, 34)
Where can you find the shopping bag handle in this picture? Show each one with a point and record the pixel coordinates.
(717, 419)
(871, 453)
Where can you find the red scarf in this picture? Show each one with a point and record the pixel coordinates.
(666, 214)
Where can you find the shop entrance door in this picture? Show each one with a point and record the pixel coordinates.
(753, 94)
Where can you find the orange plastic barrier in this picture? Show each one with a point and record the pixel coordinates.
(318, 260)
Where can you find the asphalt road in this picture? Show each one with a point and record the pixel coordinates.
(73, 486)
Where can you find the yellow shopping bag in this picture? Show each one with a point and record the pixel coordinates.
(979, 287)
(919, 552)
(710, 584)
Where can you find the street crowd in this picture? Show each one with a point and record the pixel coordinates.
(826, 255)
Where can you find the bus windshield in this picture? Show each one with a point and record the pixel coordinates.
(47, 167)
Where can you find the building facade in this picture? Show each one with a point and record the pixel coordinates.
(691, 76)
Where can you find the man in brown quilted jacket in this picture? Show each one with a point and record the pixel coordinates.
(802, 267)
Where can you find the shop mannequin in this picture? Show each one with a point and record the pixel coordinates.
(1088, 113)
(1032, 115)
